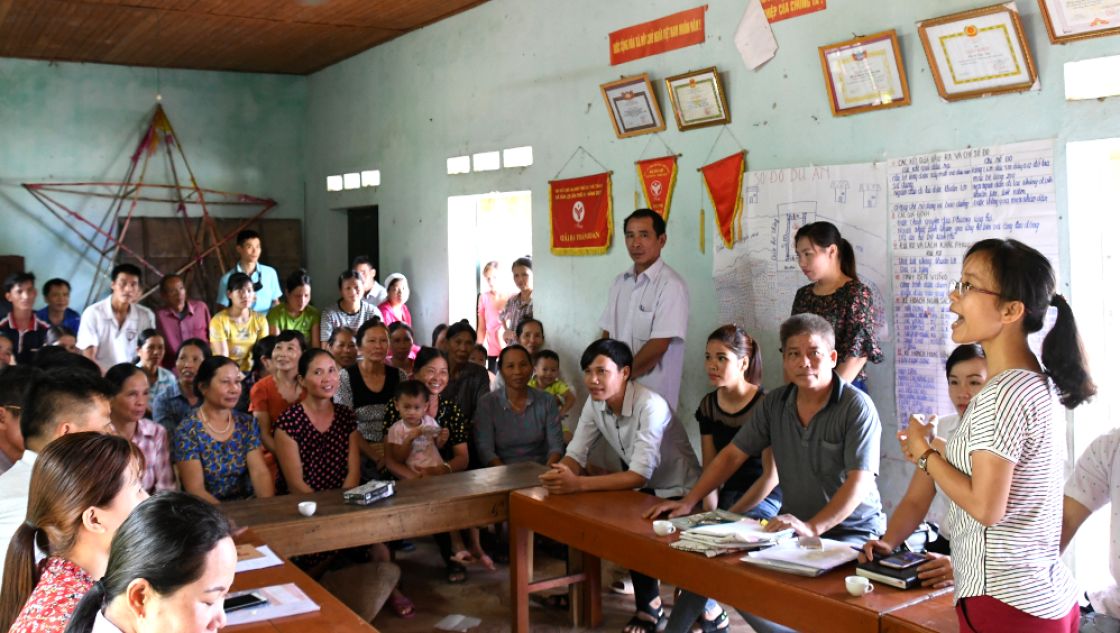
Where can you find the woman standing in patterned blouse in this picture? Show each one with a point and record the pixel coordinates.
(127, 411)
(83, 486)
(218, 449)
(837, 294)
(519, 306)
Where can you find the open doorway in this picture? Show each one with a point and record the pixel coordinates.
(362, 232)
(495, 226)
(1093, 186)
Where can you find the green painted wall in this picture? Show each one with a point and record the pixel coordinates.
(526, 72)
(81, 122)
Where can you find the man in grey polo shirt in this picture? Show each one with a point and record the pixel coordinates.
(824, 434)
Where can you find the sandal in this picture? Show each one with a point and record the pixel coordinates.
(554, 601)
(401, 605)
(456, 572)
(719, 623)
(648, 620)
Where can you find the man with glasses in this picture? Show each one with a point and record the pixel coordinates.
(266, 283)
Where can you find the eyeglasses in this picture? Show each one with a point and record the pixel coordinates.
(963, 287)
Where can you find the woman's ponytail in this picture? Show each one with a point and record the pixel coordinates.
(847, 259)
(20, 575)
(81, 621)
(1063, 355)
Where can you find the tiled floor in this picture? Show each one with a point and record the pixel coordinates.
(486, 596)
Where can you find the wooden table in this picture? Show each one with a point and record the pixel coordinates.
(936, 615)
(609, 525)
(332, 615)
(421, 506)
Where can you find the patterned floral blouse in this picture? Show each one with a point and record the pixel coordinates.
(855, 316)
(325, 456)
(61, 586)
(225, 470)
(516, 311)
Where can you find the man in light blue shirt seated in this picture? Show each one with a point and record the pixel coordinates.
(824, 435)
(638, 425)
(266, 284)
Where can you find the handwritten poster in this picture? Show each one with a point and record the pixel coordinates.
(757, 278)
(940, 205)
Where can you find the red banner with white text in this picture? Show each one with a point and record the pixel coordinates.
(658, 36)
(724, 180)
(580, 212)
(657, 177)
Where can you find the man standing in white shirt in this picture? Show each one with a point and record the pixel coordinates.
(372, 292)
(647, 308)
(110, 328)
(1095, 483)
(59, 401)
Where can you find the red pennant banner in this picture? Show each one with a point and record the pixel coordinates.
(580, 210)
(658, 176)
(724, 180)
(658, 36)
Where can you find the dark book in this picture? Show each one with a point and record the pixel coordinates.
(898, 578)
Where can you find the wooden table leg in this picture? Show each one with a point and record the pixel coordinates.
(593, 590)
(520, 574)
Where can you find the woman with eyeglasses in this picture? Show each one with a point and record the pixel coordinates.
(235, 330)
(1003, 469)
(837, 294)
(350, 311)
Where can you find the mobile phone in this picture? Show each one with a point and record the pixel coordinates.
(903, 560)
(244, 601)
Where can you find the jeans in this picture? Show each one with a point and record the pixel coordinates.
(1099, 623)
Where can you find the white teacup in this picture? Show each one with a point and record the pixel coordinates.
(858, 585)
(307, 508)
(663, 528)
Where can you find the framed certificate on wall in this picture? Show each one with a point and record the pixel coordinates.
(698, 99)
(978, 53)
(864, 74)
(633, 106)
(1068, 20)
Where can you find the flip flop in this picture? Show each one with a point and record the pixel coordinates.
(402, 606)
(456, 572)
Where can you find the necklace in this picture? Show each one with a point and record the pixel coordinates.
(206, 422)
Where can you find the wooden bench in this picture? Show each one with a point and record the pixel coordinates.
(421, 506)
(936, 615)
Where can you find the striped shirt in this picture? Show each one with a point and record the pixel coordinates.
(1016, 417)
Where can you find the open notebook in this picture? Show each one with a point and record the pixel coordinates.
(790, 557)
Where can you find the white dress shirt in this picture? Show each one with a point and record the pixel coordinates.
(14, 489)
(651, 304)
(646, 436)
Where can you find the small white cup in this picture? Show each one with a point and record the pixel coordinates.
(858, 585)
(307, 508)
(663, 528)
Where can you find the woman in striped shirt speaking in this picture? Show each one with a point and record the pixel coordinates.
(1002, 470)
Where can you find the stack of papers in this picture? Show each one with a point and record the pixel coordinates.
(250, 558)
(725, 538)
(791, 557)
(282, 601)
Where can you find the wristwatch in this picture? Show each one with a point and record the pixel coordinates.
(924, 459)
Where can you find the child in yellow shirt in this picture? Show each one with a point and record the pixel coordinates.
(546, 377)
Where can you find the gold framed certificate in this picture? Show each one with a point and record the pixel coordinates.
(698, 99)
(633, 106)
(1068, 20)
(978, 53)
(864, 74)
